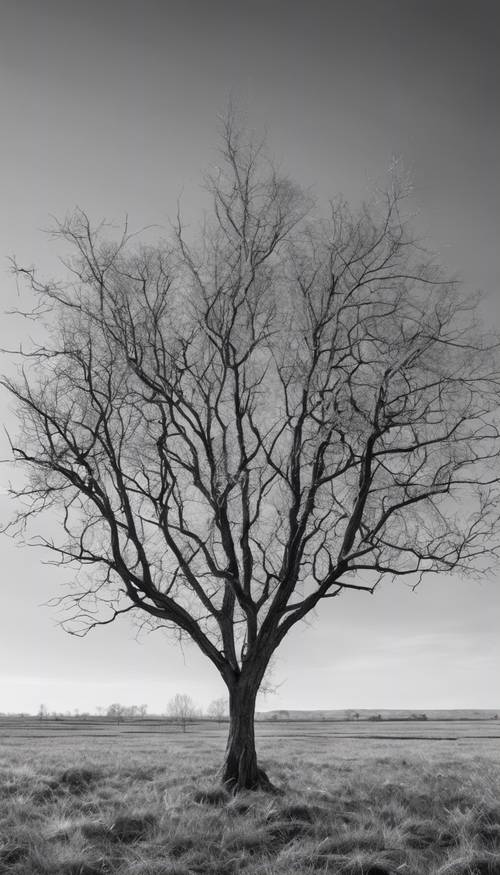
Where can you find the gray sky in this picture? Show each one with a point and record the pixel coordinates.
(113, 107)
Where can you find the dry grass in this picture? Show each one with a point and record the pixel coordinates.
(151, 806)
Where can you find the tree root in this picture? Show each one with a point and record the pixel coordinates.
(260, 781)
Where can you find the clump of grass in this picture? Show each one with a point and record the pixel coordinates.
(130, 828)
(96, 831)
(158, 868)
(78, 779)
(11, 853)
(425, 833)
(346, 841)
(249, 839)
(472, 862)
(211, 796)
(78, 868)
(299, 811)
(284, 831)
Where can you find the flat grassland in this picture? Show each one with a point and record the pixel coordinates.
(141, 798)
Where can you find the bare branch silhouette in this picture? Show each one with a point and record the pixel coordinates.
(233, 430)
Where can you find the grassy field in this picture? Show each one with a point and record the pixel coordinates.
(141, 798)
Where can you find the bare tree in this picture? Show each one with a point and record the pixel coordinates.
(42, 712)
(234, 429)
(182, 709)
(116, 711)
(218, 709)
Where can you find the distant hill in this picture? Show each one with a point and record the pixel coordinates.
(383, 714)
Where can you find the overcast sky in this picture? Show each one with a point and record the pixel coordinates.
(113, 107)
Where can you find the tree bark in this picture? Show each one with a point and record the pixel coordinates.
(240, 770)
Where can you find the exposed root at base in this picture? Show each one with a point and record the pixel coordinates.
(260, 782)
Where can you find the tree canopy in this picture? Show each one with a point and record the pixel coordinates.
(235, 427)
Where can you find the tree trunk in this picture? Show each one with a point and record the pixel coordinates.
(240, 770)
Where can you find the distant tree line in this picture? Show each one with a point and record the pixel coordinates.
(183, 710)
(180, 709)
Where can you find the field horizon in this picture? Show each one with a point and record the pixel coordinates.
(310, 714)
(385, 713)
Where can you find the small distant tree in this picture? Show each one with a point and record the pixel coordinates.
(42, 712)
(116, 711)
(218, 709)
(352, 715)
(234, 427)
(131, 710)
(182, 709)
